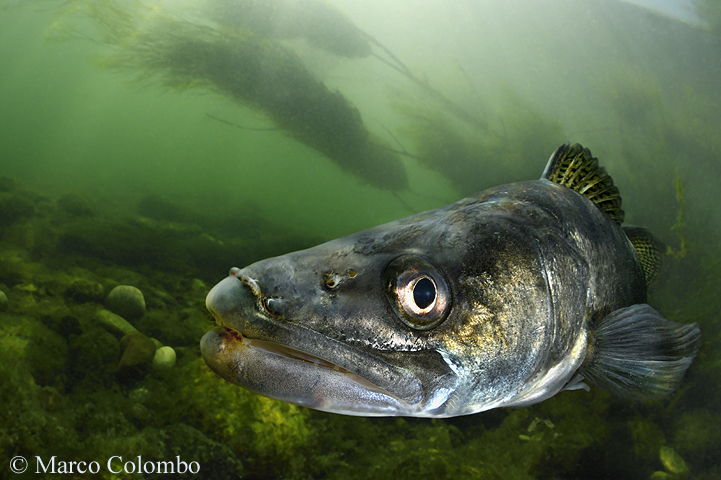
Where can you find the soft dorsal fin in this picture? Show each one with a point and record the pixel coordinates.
(648, 249)
(574, 167)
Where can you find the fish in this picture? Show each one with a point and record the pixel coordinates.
(502, 299)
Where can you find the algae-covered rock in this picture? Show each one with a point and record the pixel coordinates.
(8, 184)
(84, 290)
(68, 325)
(48, 310)
(14, 206)
(137, 358)
(35, 235)
(46, 355)
(33, 347)
(648, 438)
(125, 243)
(15, 266)
(137, 350)
(698, 436)
(4, 302)
(126, 301)
(139, 395)
(159, 208)
(198, 290)
(76, 204)
(113, 323)
(672, 461)
(93, 355)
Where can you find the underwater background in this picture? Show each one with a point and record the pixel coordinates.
(156, 144)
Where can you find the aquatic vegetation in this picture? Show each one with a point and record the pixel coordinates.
(316, 21)
(238, 55)
(680, 224)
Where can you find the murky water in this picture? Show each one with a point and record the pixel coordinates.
(157, 144)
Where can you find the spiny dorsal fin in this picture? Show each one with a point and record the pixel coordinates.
(648, 249)
(574, 167)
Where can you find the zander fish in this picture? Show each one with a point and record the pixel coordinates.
(504, 298)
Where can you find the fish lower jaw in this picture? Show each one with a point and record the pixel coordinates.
(292, 375)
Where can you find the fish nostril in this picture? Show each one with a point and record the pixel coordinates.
(332, 279)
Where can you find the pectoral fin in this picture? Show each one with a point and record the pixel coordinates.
(635, 352)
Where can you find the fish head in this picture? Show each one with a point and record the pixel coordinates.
(436, 315)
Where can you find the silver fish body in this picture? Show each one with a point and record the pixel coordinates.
(487, 302)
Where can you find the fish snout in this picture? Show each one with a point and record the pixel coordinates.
(232, 298)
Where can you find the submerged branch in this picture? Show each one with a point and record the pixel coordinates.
(454, 108)
(257, 129)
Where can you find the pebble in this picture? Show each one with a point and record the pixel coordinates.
(672, 461)
(164, 357)
(113, 323)
(126, 301)
(3, 301)
(84, 290)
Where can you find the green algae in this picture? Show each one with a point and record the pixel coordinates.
(317, 22)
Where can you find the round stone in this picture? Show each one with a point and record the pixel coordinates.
(164, 357)
(3, 301)
(126, 301)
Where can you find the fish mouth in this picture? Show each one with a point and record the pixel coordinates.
(233, 336)
(293, 363)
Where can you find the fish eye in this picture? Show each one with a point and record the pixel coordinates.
(424, 292)
(417, 292)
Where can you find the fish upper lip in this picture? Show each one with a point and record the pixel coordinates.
(299, 343)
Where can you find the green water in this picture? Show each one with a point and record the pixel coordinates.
(127, 181)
